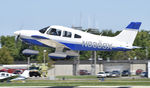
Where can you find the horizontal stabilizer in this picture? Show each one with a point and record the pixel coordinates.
(136, 47)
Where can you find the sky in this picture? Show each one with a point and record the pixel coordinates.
(102, 14)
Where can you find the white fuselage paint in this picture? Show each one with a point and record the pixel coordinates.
(86, 40)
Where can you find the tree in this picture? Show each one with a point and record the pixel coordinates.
(40, 57)
(85, 55)
(142, 40)
(124, 55)
(5, 57)
(15, 50)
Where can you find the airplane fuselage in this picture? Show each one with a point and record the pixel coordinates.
(61, 38)
(85, 41)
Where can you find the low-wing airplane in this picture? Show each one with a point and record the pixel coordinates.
(22, 76)
(61, 38)
(5, 76)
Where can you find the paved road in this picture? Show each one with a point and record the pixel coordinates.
(79, 87)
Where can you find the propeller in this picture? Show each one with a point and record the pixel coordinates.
(17, 37)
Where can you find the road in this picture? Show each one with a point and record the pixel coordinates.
(78, 87)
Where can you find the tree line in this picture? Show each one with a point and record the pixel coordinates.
(12, 51)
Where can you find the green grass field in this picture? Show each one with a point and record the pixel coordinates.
(80, 81)
(76, 84)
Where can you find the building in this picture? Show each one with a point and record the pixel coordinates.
(68, 67)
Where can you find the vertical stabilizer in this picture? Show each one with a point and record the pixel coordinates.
(25, 74)
(128, 35)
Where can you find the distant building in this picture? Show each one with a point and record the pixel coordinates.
(93, 30)
(67, 67)
(78, 28)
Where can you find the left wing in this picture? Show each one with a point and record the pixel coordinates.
(52, 43)
(59, 53)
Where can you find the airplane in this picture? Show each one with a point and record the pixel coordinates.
(22, 76)
(68, 40)
(5, 76)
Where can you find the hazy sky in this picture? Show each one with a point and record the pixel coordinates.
(103, 14)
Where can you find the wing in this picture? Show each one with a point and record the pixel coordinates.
(48, 42)
(52, 43)
(8, 78)
(58, 48)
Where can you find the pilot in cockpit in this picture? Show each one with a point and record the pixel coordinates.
(53, 32)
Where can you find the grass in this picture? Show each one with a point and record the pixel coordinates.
(78, 84)
(88, 77)
(80, 81)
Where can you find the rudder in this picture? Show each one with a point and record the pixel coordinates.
(128, 35)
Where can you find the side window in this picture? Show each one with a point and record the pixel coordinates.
(2, 74)
(54, 31)
(67, 34)
(77, 36)
(7, 74)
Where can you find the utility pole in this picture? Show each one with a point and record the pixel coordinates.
(95, 62)
(93, 65)
(44, 51)
(147, 52)
(28, 62)
(78, 62)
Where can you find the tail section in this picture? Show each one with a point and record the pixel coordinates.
(25, 74)
(128, 35)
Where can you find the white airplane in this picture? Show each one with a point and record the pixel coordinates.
(5, 76)
(61, 38)
(22, 76)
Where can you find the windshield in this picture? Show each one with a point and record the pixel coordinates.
(101, 73)
(43, 30)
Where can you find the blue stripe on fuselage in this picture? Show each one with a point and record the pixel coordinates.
(79, 47)
(33, 42)
(84, 48)
(39, 37)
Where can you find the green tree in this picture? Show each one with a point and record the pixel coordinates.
(5, 57)
(14, 49)
(40, 56)
(124, 55)
(85, 55)
(142, 40)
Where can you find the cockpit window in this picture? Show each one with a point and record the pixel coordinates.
(43, 30)
(54, 31)
(77, 36)
(67, 34)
